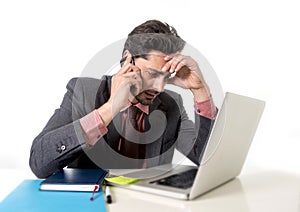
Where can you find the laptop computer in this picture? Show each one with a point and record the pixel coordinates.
(222, 159)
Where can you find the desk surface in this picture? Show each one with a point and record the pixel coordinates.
(254, 190)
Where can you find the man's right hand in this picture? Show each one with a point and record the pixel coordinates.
(122, 90)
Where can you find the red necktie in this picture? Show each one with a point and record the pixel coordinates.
(130, 146)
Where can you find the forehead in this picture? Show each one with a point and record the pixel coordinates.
(155, 61)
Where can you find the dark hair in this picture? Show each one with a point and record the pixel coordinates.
(153, 35)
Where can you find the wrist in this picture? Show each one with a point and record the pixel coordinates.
(106, 113)
(201, 94)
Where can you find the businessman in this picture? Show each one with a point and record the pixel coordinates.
(128, 120)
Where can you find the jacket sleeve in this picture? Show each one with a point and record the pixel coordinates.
(192, 137)
(61, 141)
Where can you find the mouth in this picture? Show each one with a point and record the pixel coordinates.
(150, 95)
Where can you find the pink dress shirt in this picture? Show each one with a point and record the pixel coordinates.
(94, 128)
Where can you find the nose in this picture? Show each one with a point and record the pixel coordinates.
(159, 84)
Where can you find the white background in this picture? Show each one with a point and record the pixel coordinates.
(253, 46)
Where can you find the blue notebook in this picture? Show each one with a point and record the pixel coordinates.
(28, 197)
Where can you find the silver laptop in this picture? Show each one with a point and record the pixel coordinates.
(222, 160)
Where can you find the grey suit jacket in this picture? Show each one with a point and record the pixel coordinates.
(167, 126)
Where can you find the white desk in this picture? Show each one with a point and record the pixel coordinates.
(254, 190)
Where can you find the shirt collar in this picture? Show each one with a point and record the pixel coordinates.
(144, 108)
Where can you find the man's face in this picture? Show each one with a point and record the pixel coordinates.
(153, 78)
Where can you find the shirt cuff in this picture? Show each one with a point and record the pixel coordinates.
(206, 108)
(93, 127)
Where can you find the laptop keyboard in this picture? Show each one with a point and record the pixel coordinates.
(181, 180)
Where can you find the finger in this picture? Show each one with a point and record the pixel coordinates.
(135, 68)
(172, 63)
(131, 75)
(128, 59)
(138, 86)
(136, 75)
(179, 66)
(175, 62)
(126, 65)
(168, 57)
(125, 68)
(167, 66)
(128, 68)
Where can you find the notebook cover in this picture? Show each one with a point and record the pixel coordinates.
(28, 197)
(77, 177)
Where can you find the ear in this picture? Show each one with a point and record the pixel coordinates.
(125, 53)
(124, 56)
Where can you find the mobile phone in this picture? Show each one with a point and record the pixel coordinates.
(123, 60)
